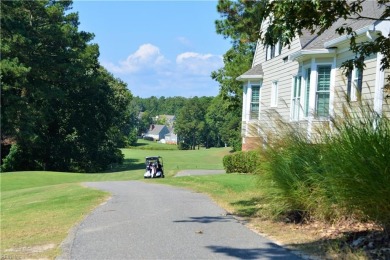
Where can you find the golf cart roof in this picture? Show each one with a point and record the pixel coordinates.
(153, 157)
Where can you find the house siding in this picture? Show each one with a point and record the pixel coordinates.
(277, 69)
(252, 131)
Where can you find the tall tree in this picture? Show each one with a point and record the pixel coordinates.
(60, 109)
(224, 124)
(190, 124)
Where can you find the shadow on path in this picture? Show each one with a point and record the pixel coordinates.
(205, 220)
(273, 252)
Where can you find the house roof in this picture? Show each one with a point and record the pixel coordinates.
(256, 72)
(313, 41)
(156, 129)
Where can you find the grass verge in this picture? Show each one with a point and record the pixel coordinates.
(34, 221)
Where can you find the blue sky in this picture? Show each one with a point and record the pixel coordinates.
(159, 48)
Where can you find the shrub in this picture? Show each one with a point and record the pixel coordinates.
(241, 162)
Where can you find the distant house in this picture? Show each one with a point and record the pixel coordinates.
(171, 137)
(305, 84)
(157, 132)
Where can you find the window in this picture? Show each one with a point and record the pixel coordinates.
(255, 102)
(355, 83)
(274, 94)
(307, 92)
(271, 51)
(323, 90)
(296, 99)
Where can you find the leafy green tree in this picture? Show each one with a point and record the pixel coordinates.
(215, 117)
(60, 109)
(224, 124)
(241, 20)
(144, 123)
(237, 61)
(190, 124)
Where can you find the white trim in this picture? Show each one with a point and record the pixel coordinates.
(379, 84)
(292, 96)
(293, 103)
(299, 54)
(312, 97)
(305, 87)
(274, 94)
(244, 95)
(332, 87)
(249, 77)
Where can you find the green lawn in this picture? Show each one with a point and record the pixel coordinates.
(39, 208)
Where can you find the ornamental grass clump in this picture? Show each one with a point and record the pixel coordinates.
(291, 172)
(344, 172)
(356, 161)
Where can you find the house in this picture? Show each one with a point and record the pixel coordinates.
(171, 137)
(157, 132)
(305, 84)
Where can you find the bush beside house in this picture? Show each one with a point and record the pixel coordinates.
(241, 162)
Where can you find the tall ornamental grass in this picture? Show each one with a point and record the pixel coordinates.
(343, 173)
(356, 159)
(292, 174)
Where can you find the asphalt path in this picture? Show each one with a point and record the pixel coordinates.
(198, 172)
(153, 221)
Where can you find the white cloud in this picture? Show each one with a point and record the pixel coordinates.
(197, 63)
(147, 72)
(146, 57)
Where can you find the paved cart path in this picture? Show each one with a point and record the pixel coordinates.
(152, 221)
(198, 172)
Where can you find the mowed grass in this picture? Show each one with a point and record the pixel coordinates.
(39, 208)
(34, 221)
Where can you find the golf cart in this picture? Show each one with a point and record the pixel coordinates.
(154, 167)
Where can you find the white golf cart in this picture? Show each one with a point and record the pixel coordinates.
(154, 167)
